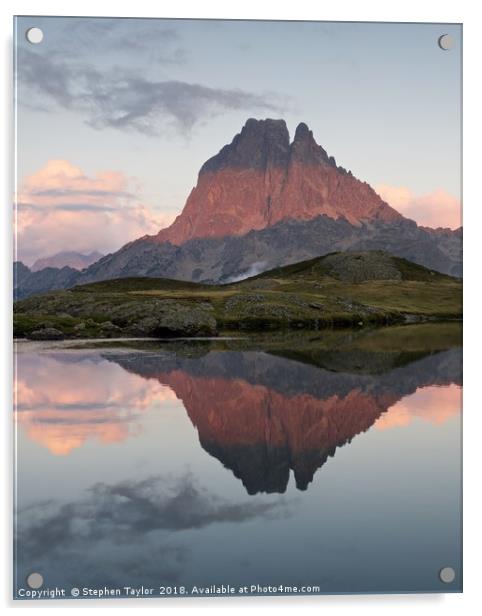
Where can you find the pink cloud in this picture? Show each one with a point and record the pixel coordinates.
(61, 208)
(63, 408)
(435, 404)
(435, 209)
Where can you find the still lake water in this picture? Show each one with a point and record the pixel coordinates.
(334, 464)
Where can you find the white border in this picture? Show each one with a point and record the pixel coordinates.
(465, 11)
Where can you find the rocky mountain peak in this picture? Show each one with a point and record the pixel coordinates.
(303, 132)
(260, 144)
(304, 148)
(260, 178)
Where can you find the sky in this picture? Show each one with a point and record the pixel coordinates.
(116, 116)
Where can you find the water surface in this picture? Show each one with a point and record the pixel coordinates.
(331, 461)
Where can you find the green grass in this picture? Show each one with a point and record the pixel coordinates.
(134, 284)
(307, 295)
(25, 323)
(439, 299)
(319, 268)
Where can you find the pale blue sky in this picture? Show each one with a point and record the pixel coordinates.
(155, 98)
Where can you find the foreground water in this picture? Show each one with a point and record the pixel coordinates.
(330, 464)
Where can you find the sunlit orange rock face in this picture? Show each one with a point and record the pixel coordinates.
(261, 434)
(262, 178)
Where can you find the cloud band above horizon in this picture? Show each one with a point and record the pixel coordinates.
(60, 208)
(435, 209)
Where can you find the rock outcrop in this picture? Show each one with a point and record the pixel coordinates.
(261, 178)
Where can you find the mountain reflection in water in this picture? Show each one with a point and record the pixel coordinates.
(261, 413)
(170, 463)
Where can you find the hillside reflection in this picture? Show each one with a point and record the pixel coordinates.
(262, 412)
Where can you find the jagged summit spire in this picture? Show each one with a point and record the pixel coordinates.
(304, 148)
(302, 131)
(254, 123)
(260, 144)
(266, 143)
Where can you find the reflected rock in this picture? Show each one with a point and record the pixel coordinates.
(263, 416)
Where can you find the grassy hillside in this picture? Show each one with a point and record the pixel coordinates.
(340, 289)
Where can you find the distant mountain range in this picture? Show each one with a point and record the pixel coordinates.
(260, 203)
(59, 271)
(75, 260)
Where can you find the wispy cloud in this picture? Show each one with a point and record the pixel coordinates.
(63, 406)
(63, 192)
(122, 100)
(131, 531)
(137, 507)
(152, 40)
(435, 209)
(434, 404)
(61, 208)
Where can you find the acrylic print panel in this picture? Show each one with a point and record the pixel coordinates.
(252, 386)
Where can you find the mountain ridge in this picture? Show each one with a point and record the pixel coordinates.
(262, 178)
(72, 259)
(217, 260)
